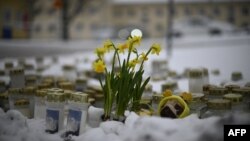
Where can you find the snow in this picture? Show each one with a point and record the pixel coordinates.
(16, 127)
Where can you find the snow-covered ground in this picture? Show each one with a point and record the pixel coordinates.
(15, 127)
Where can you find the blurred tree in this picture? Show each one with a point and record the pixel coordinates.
(169, 37)
(69, 9)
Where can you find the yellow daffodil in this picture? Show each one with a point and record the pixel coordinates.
(136, 40)
(100, 51)
(122, 47)
(143, 57)
(108, 45)
(156, 48)
(187, 96)
(133, 63)
(167, 93)
(99, 66)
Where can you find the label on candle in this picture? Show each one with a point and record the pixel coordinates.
(74, 122)
(52, 121)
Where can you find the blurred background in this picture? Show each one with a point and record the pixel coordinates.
(45, 27)
(97, 19)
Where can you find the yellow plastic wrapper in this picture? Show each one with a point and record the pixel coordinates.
(180, 100)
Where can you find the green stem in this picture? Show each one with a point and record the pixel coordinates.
(145, 57)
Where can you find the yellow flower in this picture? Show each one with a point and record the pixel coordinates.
(143, 57)
(108, 45)
(122, 47)
(156, 48)
(187, 96)
(136, 40)
(99, 66)
(133, 63)
(167, 93)
(100, 51)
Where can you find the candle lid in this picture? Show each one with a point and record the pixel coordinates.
(21, 102)
(217, 91)
(17, 71)
(2, 72)
(79, 97)
(41, 93)
(220, 104)
(68, 67)
(8, 65)
(195, 73)
(234, 98)
(55, 97)
(15, 91)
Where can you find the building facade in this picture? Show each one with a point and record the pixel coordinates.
(107, 18)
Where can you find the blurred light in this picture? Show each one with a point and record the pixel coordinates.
(136, 32)
(123, 34)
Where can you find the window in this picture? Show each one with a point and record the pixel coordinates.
(216, 11)
(131, 12)
(94, 26)
(117, 13)
(245, 11)
(202, 11)
(159, 27)
(79, 27)
(92, 9)
(145, 19)
(37, 28)
(52, 28)
(51, 11)
(159, 12)
(187, 11)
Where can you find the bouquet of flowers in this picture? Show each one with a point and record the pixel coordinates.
(123, 86)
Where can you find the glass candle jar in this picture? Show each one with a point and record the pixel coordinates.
(77, 115)
(69, 72)
(197, 102)
(156, 98)
(80, 84)
(236, 100)
(54, 112)
(216, 92)
(99, 100)
(207, 87)
(245, 92)
(29, 69)
(39, 61)
(17, 79)
(205, 76)
(2, 86)
(171, 85)
(159, 69)
(231, 87)
(4, 101)
(8, 66)
(236, 76)
(195, 80)
(29, 93)
(66, 86)
(217, 107)
(30, 80)
(147, 93)
(14, 94)
(22, 105)
(40, 107)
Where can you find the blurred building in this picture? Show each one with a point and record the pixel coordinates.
(15, 19)
(90, 19)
